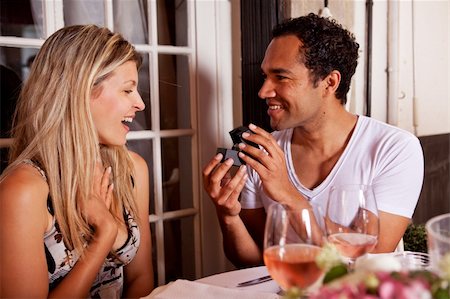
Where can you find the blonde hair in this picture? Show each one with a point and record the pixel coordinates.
(53, 125)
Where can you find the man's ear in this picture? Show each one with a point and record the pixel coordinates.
(332, 81)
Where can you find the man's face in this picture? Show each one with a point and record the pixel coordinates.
(288, 90)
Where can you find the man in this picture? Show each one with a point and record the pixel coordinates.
(316, 144)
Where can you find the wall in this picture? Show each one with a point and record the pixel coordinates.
(409, 79)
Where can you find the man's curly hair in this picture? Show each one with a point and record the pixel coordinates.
(327, 46)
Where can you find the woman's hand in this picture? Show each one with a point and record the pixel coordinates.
(96, 207)
(223, 190)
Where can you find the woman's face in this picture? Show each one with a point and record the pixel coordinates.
(115, 104)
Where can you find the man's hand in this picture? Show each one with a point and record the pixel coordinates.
(221, 188)
(269, 163)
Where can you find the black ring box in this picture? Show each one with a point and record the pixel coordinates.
(236, 136)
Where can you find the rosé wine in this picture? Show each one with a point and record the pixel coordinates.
(293, 265)
(353, 245)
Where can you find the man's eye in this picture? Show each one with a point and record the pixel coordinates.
(279, 77)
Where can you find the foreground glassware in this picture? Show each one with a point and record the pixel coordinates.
(351, 220)
(410, 260)
(438, 241)
(292, 240)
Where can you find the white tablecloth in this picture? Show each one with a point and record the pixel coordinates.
(220, 286)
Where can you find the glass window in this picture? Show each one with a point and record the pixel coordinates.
(130, 19)
(177, 173)
(143, 119)
(19, 24)
(179, 234)
(84, 12)
(174, 92)
(172, 22)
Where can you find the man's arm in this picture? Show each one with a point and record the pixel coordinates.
(397, 188)
(243, 237)
(239, 245)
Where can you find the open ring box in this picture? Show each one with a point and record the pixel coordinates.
(236, 136)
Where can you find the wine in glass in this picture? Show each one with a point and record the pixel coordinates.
(351, 220)
(292, 240)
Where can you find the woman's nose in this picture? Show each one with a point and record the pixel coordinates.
(266, 90)
(139, 103)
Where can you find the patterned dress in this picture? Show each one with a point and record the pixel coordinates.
(60, 260)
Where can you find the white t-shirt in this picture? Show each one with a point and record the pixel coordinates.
(386, 157)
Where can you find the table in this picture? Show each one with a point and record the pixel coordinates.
(220, 286)
(232, 278)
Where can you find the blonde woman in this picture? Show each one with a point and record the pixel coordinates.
(74, 201)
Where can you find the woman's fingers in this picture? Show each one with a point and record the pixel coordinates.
(104, 183)
(108, 198)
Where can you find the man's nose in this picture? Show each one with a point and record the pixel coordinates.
(267, 90)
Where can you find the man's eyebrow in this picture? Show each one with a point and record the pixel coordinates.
(278, 71)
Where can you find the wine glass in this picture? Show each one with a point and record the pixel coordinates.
(292, 240)
(351, 220)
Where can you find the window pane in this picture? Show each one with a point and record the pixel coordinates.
(16, 18)
(14, 69)
(15, 66)
(172, 22)
(84, 12)
(143, 119)
(130, 19)
(177, 173)
(179, 249)
(144, 148)
(154, 256)
(174, 92)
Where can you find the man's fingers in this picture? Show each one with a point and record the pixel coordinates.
(212, 164)
(232, 187)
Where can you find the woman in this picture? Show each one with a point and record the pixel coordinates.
(74, 200)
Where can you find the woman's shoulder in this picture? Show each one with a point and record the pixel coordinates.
(24, 192)
(139, 163)
(25, 179)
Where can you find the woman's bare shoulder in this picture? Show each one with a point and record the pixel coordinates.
(139, 163)
(24, 184)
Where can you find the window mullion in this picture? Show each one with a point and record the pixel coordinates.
(53, 16)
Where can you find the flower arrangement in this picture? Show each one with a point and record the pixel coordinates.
(376, 277)
(386, 285)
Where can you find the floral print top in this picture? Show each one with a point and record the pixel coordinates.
(60, 260)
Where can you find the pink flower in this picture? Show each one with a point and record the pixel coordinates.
(380, 285)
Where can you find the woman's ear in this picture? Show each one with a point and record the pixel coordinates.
(96, 91)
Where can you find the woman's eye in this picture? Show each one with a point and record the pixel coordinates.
(128, 91)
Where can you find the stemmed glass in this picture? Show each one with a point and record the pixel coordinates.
(292, 240)
(351, 220)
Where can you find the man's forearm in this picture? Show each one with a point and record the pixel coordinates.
(238, 244)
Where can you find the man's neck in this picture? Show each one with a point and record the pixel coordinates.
(328, 135)
(316, 149)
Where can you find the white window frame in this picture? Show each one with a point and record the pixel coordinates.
(209, 53)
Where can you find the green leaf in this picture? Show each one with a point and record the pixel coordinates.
(335, 272)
